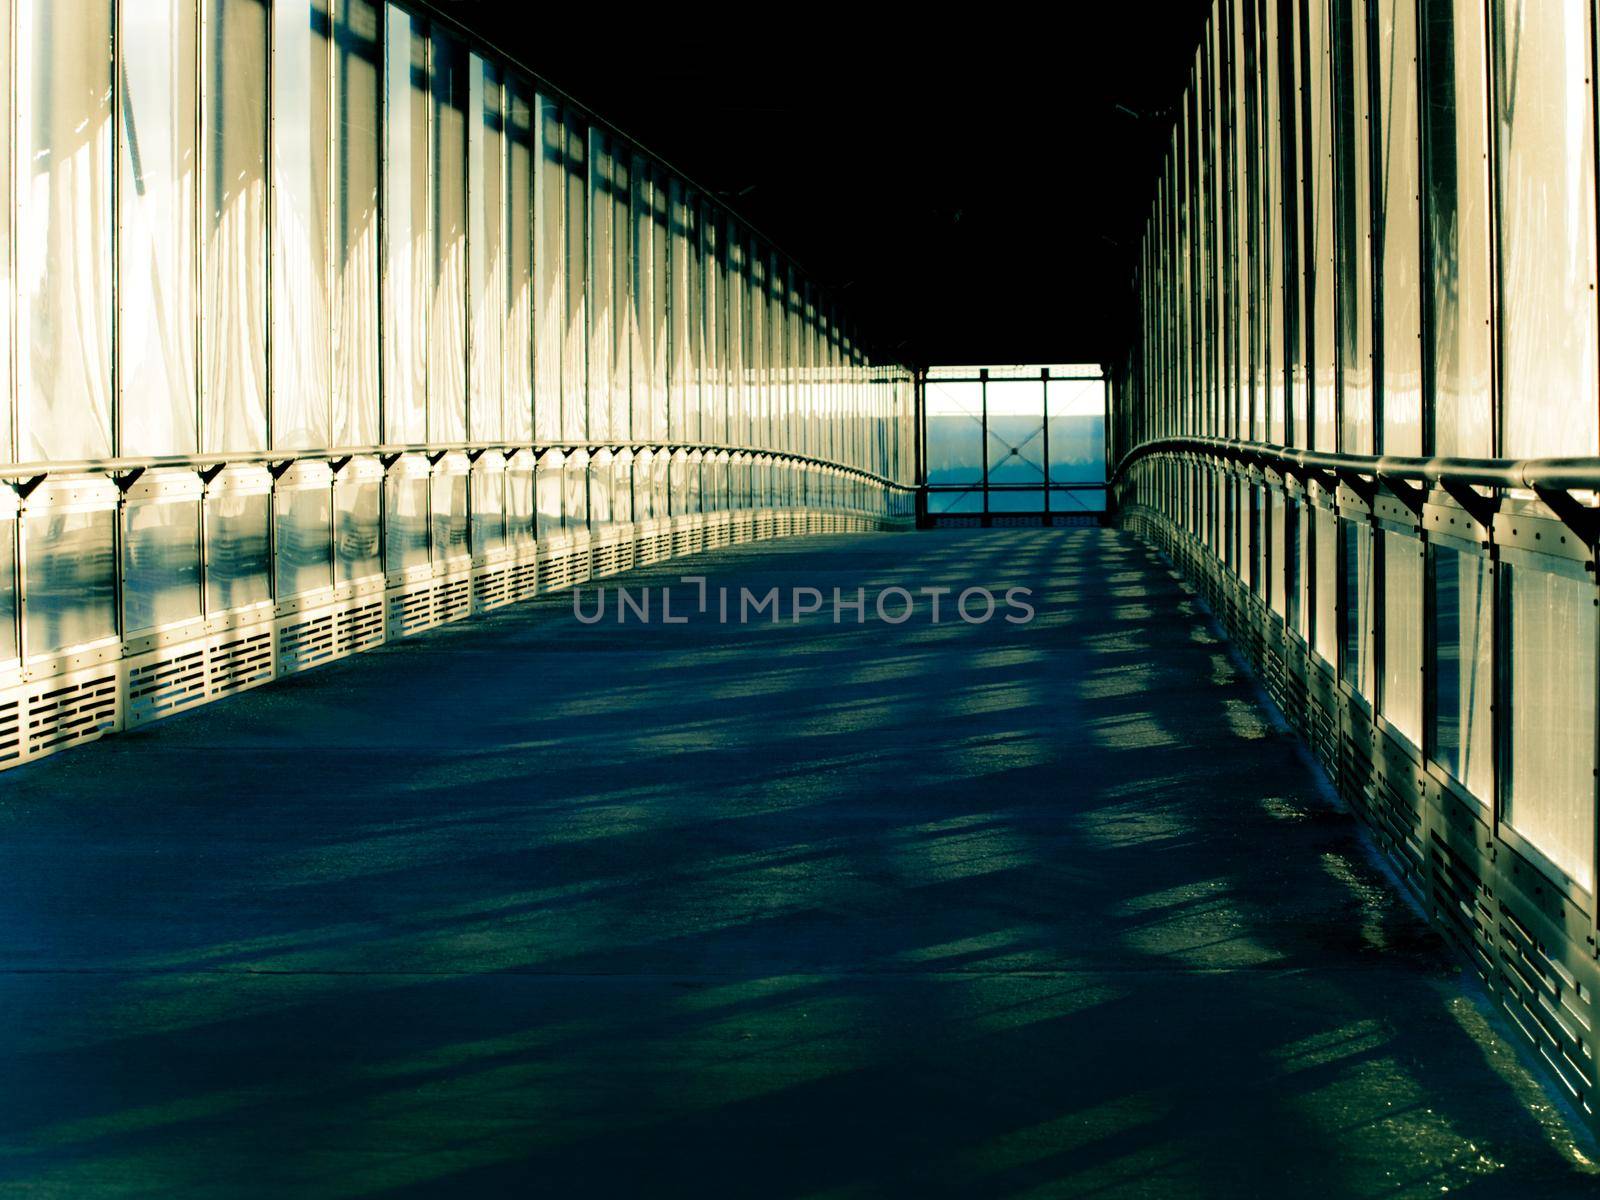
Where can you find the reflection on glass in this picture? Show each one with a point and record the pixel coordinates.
(519, 508)
(488, 511)
(160, 564)
(71, 580)
(357, 546)
(406, 522)
(449, 494)
(303, 523)
(1550, 798)
(237, 571)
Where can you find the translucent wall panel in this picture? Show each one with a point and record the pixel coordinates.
(408, 246)
(549, 264)
(713, 390)
(301, 325)
(234, 226)
(1401, 631)
(641, 318)
(238, 570)
(1550, 799)
(65, 219)
(602, 334)
(357, 57)
(1545, 123)
(677, 313)
(575, 341)
(623, 325)
(760, 421)
(157, 393)
(447, 325)
(71, 580)
(1319, 234)
(1461, 667)
(487, 249)
(1398, 195)
(160, 563)
(519, 202)
(660, 242)
(1354, 199)
(1457, 195)
(735, 248)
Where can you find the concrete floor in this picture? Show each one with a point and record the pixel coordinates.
(525, 907)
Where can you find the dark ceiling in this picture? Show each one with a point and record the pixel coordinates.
(972, 193)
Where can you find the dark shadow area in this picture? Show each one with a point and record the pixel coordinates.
(524, 906)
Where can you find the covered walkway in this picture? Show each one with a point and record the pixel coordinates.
(799, 910)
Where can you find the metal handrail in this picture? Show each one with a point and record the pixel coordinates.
(24, 476)
(1537, 474)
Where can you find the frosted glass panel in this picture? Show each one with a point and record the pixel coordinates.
(519, 263)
